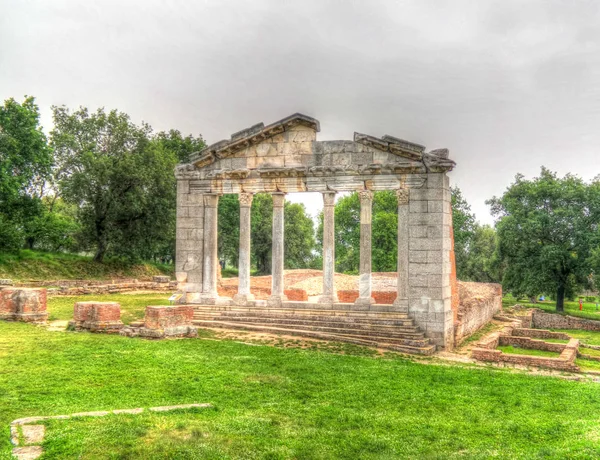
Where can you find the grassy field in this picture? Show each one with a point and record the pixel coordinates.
(132, 305)
(527, 351)
(35, 265)
(571, 308)
(274, 402)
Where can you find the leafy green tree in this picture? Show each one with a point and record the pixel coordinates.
(299, 245)
(347, 232)
(182, 147)
(120, 179)
(25, 160)
(299, 233)
(229, 229)
(464, 226)
(547, 230)
(481, 262)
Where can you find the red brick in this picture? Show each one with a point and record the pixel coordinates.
(296, 295)
(160, 317)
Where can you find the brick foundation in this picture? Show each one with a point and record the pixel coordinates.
(165, 322)
(23, 304)
(296, 295)
(509, 335)
(381, 297)
(96, 317)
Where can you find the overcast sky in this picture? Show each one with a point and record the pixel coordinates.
(507, 86)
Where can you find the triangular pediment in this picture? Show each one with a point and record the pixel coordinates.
(253, 136)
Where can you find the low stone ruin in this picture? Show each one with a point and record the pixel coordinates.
(517, 335)
(162, 322)
(23, 304)
(96, 317)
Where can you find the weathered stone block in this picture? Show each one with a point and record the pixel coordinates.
(165, 322)
(97, 317)
(418, 207)
(161, 279)
(23, 304)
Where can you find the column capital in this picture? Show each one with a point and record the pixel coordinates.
(211, 200)
(366, 195)
(402, 196)
(246, 199)
(278, 199)
(329, 198)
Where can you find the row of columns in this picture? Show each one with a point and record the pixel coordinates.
(209, 285)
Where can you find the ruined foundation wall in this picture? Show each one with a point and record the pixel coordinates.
(479, 302)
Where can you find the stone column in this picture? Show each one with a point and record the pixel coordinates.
(277, 295)
(329, 295)
(401, 302)
(364, 282)
(244, 296)
(209, 279)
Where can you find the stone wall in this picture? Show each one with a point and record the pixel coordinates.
(542, 320)
(479, 302)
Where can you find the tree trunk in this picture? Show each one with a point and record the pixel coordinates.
(560, 298)
(101, 243)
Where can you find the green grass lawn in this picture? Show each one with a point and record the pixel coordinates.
(527, 351)
(272, 402)
(132, 305)
(589, 337)
(571, 308)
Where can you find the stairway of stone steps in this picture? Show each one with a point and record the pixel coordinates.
(387, 330)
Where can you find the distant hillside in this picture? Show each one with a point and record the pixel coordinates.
(32, 265)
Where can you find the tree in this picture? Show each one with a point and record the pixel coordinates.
(347, 232)
(182, 147)
(299, 232)
(120, 179)
(547, 229)
(229, 229)
(464, 226)
(25, 159)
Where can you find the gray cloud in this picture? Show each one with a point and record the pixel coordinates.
(506, 85)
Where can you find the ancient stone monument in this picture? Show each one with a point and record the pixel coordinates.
(286, 157)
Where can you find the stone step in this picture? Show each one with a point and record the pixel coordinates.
(314, 312)
(337, 319)
(426, 349)
(405, 326)
(412, 339)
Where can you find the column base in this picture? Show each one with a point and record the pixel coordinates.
(401, 305)
(364, 301)
(275, 300)
(215, 300)
(243, 299)
(328, 299)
